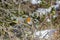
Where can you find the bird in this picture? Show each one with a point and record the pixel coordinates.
(29, 20)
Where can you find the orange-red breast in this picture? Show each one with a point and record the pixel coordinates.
(29, 20)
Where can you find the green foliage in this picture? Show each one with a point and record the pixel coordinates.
(10, 9)
(53, 11)
(43, 4)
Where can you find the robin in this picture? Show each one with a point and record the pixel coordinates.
(29, 21)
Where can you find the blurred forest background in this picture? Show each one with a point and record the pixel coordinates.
(20, 19)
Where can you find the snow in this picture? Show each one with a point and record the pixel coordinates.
(35, 1)
(38, 33)
(44, 10)
(44, 33)
(54, 16)
(56, 6)
(41, 10)
(39, 1)
(48, 20)
(58, 2)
